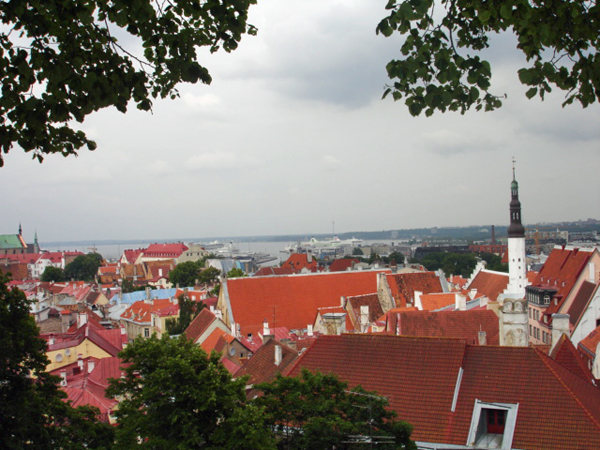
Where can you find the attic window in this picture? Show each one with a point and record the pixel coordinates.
(492, 425)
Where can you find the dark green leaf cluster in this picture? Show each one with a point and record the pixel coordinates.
(188, 310)
(318, 411)
(83, 267)
(494, 262)
(560, 38)
(461, 264)
(185, 273)
(61, 60)
(33, 414)
(175, 396)
(236, 273)
(53, 274)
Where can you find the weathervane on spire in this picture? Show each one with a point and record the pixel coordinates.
(513, 162)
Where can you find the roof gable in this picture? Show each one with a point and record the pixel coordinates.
(491, 284)
(404, 285)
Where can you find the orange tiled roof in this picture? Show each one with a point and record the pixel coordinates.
(165, 250)
(141, 311)
(292, 301)
(370, 300)
(565, 353)
(267, 271)
(432, 302)
(210, 342)
(590, 343)
(557, 409)
(298, 261)
(490, 284)
(404, 285)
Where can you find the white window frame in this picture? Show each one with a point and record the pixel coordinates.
(509, 427)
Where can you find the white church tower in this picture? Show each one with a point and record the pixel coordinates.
(517, 264)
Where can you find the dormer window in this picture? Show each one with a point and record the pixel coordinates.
(492, 425)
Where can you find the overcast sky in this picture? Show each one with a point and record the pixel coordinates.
(292, 135)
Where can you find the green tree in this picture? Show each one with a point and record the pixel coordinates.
(560, 39)
(357, 251)
(185, 273)
(84, 267)
(188, 310)
(128, 286)
(174, 396)
(451, 263)
(396, 257)
(210, 275)
(494, 262)
(236, 273)
(33, 414)
(317, 411)
(53, 274)
(61, 60)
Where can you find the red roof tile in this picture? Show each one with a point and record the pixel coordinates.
(261, 366)
(342, 264)
(565, 353)
(432, 302)
(165, 250)
(298, 261)
(404, 285)
(292, 301)
(561, 269)
(488, 283)
(556, 408)
(199, 325)
(451, 324)
(141, 311)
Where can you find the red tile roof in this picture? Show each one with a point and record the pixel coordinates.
(141, 311)
(199, 325)
(370, 300)
(262, 368)
(451, 324)
(131, 256)
(298, 261)
(556, 408)
(404, 285)
(581, 301)
(488, 283)
(432, 302)
(268, 271)
(210, 342)
(292, 301)
(589, 344)
(342, 264)
(165, 250)
(566, 355)
(561, 269)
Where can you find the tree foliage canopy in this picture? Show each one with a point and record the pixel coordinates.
(188, 310)
(185, 273)
(53, 274)
(436, 72)
(175, 396)
(451, 263)
(83, 267)
(33, 414)
(319, 411)
(62, 60)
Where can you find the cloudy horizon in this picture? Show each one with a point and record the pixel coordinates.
(293, 135)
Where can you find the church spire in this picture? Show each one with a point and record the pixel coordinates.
(515, 229)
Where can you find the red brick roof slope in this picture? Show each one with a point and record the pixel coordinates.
(452, 324)
(141, 311)
(432, 302)
(342, 264)
(267, 271)
(210, 342)
(590, 342)
(581, 301)
(490, 284)
(292, 301)
(561, 269)
(200, 323)
(417, 375)
(262, 368)
(557, 409)
(404, 285)
(165, 250)
(567, 356)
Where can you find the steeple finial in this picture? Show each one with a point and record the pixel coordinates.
(20, 230)
(513, 163)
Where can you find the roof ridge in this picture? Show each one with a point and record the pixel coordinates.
(545, 360)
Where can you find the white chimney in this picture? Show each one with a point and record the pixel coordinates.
(123, 331)
(309, 330)
(278, 355)
(218, 314)
(560, 326)
(265, 328)
(233, 328)
(250, 337)
(160, 272)
(461, 302)
(592, 268)
(364, 318)
(91, 365)
(80, 361)
(52, 340)
(482, 336)
(82, 319)
(418, 303)
(343, 301)
(63, 377)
